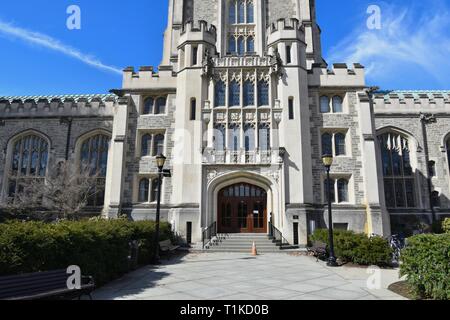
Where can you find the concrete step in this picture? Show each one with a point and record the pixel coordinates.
(219, 249)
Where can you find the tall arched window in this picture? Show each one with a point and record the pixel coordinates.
(219, 94)
(250, 45)
(337, 104)
(250, 12)
(324, 104)
(29, 161)
(148, 106)
(232, 13)
(160, 107)
(397, 171)
(263, 93)
(249, 137)
(241, 11)
(241, 46)
(232, 44)
(144, 186)
(249, 93)
(235, 94)
(94, 155)
(146, 144)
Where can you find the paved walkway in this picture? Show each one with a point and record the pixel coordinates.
(219, 276)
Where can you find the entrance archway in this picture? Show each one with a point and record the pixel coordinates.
(242, 208)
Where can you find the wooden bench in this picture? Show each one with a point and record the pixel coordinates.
(318, 249)
(167, 247)
(43, 286)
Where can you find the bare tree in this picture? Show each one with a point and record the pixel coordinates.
(65, 191)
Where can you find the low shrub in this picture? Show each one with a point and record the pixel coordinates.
(356, 247)
(446, 225)
(426, 263)
(101, 248)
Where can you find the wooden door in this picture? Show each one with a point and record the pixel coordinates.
(242, 208)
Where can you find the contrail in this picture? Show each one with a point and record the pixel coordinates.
(48, 42)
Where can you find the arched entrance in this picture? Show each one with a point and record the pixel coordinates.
(242, 208)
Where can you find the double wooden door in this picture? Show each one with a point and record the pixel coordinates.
(242, 208)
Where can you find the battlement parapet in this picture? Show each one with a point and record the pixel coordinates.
(198, 32)
(412, 101)
(285, 29)
(339, 75)
(147, 77)
(63, 105)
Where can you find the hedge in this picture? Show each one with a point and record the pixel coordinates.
(446, 225)
(101, 248)
(357, 248)
(426, 264)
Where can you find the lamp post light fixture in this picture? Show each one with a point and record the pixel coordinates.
(160, 162)
(328, 162)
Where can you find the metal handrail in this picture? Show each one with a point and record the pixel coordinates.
(276, 236)
(209, 233)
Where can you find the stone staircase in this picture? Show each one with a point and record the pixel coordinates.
(242, 243)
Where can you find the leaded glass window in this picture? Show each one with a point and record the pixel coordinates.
(397, 171)
(342, 187)
(250, 45)
(241, 46)
(148, 105)
(339, 142)
(94, 156)
(241, 11)
(337, 104)
(249, 93)
(219, 94)
(146, 143)
(235, 94)
(144, 186)
(250, 12)
(249, 138)
(160, 107)
(327, 144)
(263, 93)
(232, 44)
(264, 137)
(324, 104)
(28, 161)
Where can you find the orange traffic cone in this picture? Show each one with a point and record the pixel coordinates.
(254, 251)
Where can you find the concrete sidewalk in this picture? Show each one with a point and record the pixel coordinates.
(221, 276)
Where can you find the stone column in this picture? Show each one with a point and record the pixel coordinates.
(116, 160)
(378, 219)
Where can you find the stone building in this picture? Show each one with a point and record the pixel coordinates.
(243, 106)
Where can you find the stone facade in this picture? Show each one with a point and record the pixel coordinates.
(265, 129)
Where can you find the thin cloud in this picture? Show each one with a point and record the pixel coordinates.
(48, 42)
(405, 40)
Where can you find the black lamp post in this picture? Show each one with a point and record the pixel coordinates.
(160, 161)
(328, 162)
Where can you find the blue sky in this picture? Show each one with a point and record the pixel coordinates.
(39, 55)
